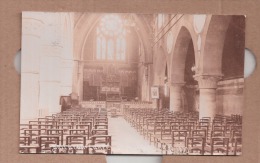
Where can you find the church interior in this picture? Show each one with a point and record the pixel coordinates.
(126, 83)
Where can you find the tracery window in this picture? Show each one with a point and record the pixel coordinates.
(111, 41)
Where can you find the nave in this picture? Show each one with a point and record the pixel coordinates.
(139, 131)
(110, 83)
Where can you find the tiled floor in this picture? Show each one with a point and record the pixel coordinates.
(126, 140)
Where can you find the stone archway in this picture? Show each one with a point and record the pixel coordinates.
(230, 88)
(84, 25)
(182, 60)
(210, 64)
(213, 39)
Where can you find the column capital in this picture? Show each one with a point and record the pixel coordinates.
(207, 81)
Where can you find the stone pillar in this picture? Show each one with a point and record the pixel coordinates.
(207, 99)
(176, 97)
(67, 61)
(80, 81)
(31, 35)
(51, 52)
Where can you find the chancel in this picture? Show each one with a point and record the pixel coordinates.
(111, 83)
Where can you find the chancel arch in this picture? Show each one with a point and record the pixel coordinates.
(86, 25)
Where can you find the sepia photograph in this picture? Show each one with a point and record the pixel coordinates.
(132, 83)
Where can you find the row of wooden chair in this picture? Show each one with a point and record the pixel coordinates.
(73, 131)
(174, 131)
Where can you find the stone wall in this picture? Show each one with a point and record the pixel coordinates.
(47, 55)
(230, 98)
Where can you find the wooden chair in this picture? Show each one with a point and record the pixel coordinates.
(101, 126)
(78, 132)
(218, 133)
(234, 135)
(86, 127)
(205, 119)
(196, 144)
(99, 132)
(56, 132)
(179, 137)
(89, 123)
(33, 134)
(203, 127)
(46, 141)
(25, 140)
(101, 140)
(199, 133)
(32, 148)
(219, 144)
(237, 147)
(75, 143)
(65, 128)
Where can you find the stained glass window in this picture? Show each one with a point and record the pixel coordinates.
(111, 41)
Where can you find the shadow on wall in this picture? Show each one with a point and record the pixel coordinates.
(230, 98)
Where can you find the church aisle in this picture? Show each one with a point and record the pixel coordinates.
(178, 78)
(125, 139)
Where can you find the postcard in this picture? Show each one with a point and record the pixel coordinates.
(131, 83)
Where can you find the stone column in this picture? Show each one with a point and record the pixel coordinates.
(67, 25)
(31, 35)
(176, 97)
(207, 99)
(51, 51)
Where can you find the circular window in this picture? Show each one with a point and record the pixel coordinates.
(111, 25)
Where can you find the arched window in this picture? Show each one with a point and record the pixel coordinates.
(110, 49)
(120, 50)
(160, 20)
(111, 42)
